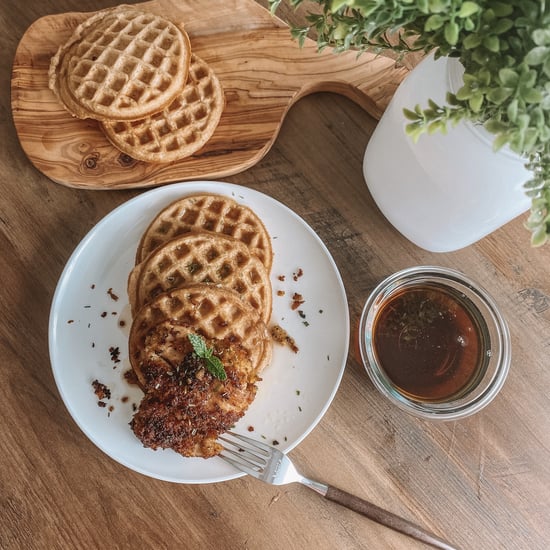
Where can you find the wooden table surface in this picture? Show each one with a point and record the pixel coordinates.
(482, 482)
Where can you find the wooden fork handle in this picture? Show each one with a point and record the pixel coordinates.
(386, 518)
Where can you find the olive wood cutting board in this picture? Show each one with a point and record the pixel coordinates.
(262, 69)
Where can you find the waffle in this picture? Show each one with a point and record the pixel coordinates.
(180, 129)
(207, 212)
(202, 258)
(121, 64)
(214, 312)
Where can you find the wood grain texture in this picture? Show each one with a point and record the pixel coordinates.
(262, 70)
(483, 482)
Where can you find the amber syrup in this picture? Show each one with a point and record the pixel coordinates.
(431, 342)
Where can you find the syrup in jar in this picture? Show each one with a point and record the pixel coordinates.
(431, 341)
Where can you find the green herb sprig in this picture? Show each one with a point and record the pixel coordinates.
(504, 47)
(213, 363)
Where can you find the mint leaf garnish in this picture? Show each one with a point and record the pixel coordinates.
(213, 364)
(215, 367)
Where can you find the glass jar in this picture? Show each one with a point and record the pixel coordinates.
(434, 343)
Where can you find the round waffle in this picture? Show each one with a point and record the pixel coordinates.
(181, 128)
(213, 312)
(203, 257)
(207, 212)
(121, 64)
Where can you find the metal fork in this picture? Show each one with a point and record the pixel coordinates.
(272, 466)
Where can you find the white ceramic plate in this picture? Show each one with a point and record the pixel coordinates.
(88, 324)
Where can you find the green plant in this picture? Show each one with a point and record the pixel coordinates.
(504, 47)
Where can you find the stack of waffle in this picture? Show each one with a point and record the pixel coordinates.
(202, 268)
(135, 73)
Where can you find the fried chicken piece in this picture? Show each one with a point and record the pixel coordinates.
(185, 407)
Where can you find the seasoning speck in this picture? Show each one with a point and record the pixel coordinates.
(115, 354)
(297, 300)
(112, 294)
(101, 390)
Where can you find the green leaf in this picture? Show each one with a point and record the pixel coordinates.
(472, 41)
(500, 141)
(508, 77)
(528, 78)
(414, 130)
(212, 363)
(499, 95)
(467, 9)
(492, 43)
(438, 6)
(541, 37)
(199, 345)
(469, 25)
(215, 367)
(484, 76)
(537, 118)
(539, 237)
(337, 4)
(495, 126)
(545, 103)
(501, 9)
(531, 95)
(538, 55)
(523, 121)
(531, 136)
(464, 93)
(502, 26)
(475, 102)
(410, 115)
(434, 22)
(512, 110)
(451, 32)
(436, 126)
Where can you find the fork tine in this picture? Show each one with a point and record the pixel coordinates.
(244, 453)
(242, 441)
(247, 468)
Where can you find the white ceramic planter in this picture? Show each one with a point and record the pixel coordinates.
(445, 191)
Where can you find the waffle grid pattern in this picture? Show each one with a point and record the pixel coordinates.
(204, 258)
(214, 312)
(180, 129)
(121, 64)
(208, 213)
